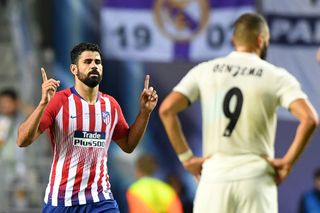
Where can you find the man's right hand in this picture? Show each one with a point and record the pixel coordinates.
(49, 87)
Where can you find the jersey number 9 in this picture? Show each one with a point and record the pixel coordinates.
(232, 115)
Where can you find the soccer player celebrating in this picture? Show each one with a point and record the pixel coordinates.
(82, 121)
(239, 96)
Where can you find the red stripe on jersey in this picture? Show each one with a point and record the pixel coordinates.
(66, 163)
(92, 152)
(103, 109)
(100, 187)
(113, 117)
(92, 114)
(80, 166)
(51, 136)
(79, 112)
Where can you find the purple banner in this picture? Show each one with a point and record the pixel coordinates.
(181, 50)
(231, 3)
(132, 4)
(147, 4)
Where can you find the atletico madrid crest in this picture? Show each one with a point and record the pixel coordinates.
(106, 117)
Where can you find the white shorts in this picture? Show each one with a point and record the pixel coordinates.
(254, 195)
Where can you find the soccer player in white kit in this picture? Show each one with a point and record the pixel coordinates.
(239, 96)
(81, 122)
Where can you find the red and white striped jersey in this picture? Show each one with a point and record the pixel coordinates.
(80, 135)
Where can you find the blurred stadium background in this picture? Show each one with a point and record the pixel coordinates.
(163, 38)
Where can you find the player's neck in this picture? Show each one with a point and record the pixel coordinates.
(87, 93)
(247, 50)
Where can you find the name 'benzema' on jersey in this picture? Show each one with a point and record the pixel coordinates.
(236, 70)
(89, 139)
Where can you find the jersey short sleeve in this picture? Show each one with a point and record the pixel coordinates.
(122, 128)
(189, 85)
(289, 90)
(50, 112)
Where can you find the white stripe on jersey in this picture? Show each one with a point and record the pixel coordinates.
(75, 156)
(87, 164)
(98, 127)
(62, 155)
(98, 122)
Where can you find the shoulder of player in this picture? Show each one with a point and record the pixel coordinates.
(63, 94)
(59, 99)
(273, 69)
(105, 95)
(279, 75)
(112, 100)
(277, 70)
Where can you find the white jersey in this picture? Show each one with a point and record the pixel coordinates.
(239, 95)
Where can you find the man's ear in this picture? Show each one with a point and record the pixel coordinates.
(74, 69)
(260, 40)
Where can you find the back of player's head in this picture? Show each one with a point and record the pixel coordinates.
(146, 164)
(247, 28)
(84, 46)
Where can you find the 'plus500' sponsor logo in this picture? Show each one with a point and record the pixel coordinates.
(89, 139)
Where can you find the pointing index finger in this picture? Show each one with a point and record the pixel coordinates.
(44, 75)
(146, 82)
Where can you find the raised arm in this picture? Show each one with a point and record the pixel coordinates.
(148, 101)
(308, 121)
(28, 130)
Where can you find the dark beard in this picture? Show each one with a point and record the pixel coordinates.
(92, 81)
(263, 54)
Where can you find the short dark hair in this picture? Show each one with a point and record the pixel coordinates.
(247, 28)
(9, 92)
(84, 46)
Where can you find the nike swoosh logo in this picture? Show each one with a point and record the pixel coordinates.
(73, 116)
